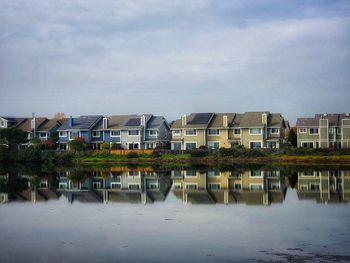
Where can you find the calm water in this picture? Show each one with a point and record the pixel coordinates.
(127, 214)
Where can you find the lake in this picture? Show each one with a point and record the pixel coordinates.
(243, 213)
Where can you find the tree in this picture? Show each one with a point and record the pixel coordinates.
(13, 138)
(61, 116)
(77, 145)
(292, 137)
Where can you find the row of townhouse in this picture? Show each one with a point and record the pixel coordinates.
(324, 131)
(39, 127)
(211, 130)
(127, 131)
(224, 130)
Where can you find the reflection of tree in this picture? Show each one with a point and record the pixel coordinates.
(78, 176)
(13, 185)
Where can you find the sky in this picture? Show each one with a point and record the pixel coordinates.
(172, 58)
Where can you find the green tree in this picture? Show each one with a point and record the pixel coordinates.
(77, 145)
(13, 137)
(292, 137)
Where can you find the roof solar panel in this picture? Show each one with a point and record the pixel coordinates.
(133, 122)
(201, 118)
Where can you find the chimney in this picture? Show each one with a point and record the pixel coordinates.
(224, 121)
(143, 120)
(264, 118)
(105, 123)
(184, 120)
(70, 122)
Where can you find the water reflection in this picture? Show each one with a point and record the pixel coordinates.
(259, 186)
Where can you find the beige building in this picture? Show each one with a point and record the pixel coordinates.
(223, 130)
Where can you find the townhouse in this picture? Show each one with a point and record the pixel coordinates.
(120, 131)
(132, 131)
(224, 130)
(324, 131)
(36, 127)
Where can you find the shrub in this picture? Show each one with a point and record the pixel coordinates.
(105, 146)
(77, 145)
(155, 154)
(223, 152)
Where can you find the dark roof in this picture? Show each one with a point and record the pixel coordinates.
(133, 122)
(334, 119)
(194, 120)
(81, 123)
(155, 122)
(49, 124)
(201, 118)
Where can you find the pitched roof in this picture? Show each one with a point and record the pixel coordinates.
(81, 123)
(334, 119)
(194, 120)
(49, 124)
(218, 120)
(155, 122)
(13, 121)
(252, 119)
(27, 126)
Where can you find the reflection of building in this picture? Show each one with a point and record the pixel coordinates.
(256, 187)
(117, 186)
(324, 186)
(37, 189)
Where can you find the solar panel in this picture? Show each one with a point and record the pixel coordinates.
(133, 122)
(201, 118)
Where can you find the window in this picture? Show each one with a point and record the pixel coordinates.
(134, 186)
(191, 186)
(213, 145)
(213, 132)
(133, 132)
(42, 135)
(96, 185)
(253, 145)
(177, 146)
(177, 186)
(237, 131)
(213, 173)
(275, 186)
(96, 134)
(191, 132)
(133, 146)
(63, 134)
(303, 187)
(115, 133)
(274, 130)
(191, 145)
(153, 186)
(313, 130)
(255, 131)
(255, 173)
(307, 144)
(153, 133)
(314, 187)
(43, 184)
(303, 130)
(191, 173)
(214, 186)
(238, 186)
(133, 173)
(255, 187)
(176, 132)
(115, 185)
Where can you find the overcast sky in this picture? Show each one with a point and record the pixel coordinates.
(174, 57)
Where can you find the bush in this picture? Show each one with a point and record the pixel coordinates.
(199, 153)
(105, 146)
(155, 154)
(132, 155)
(224, 152)
(77, 145)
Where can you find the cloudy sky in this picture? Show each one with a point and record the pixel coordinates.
(174, 57)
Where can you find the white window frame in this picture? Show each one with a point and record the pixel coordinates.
(318, 131)
(43, 137)
(261, 144)
(130, 184)
(2, 123)
(138, 145)
(302, 130)
(195, 132)
(60, 134)
(185, 144)
(152, 135)
(114, 136)
(277, 133)
(255, 176)
(211, 184)
(212, 142)
(136, 135)
(177, 186)
(250, 133)
(303, 187)
(132, 175)
(254, 184)
(119, 185)
(176, 132)
(96, 136)
(98, 184)
(236, 129)
(217, 134)
(153, 184)
(191, 176)
(192, 184)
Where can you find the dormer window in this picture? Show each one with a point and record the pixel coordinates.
(105, 123)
